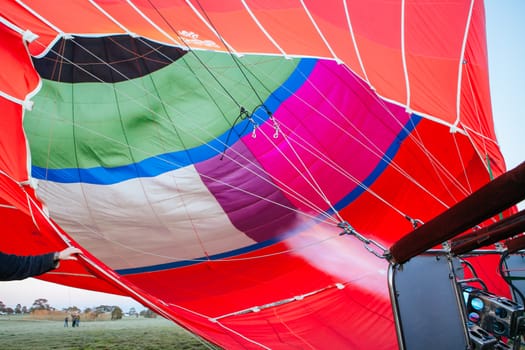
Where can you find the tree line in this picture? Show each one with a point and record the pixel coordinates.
(43, 304)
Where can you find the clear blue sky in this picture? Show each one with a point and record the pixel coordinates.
(506, 41)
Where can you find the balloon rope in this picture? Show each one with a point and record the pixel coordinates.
(417, 141)
(243, 336)
(458, 153)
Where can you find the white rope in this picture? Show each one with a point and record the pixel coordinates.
(314, 184)
(484, 139)
(27, 35)
(378, 154)
(263, 30)
(458, 153)
(211, 28)
(403, 53)
(288, 300)
(421, 145)
(243, 336)
(330, 162)
(40, 17)
(318, 30)
(354, 42)
(461, 62)
(153, 24)
(482, 157)
(112, 19)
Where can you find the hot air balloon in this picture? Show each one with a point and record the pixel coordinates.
(248, 169)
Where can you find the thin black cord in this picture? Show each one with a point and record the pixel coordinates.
(243, 114)
(507, 279)
(235, 60)
(196, 56)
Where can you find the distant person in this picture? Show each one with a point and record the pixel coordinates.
(75, 320)
(16, 267)
(66, 321)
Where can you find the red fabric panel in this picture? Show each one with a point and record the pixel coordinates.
(288, 23)
(344, 316)
(15, 13)
(20, 78)
(220, 287)
(476, 109)
(13, 151)
(74, 17)
(174, 17)
(236, 28)
(333, 23)
(434, 35)
(432, 171)
(289, 326)
(378, 36)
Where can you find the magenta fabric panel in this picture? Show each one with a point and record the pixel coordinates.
(334, 105)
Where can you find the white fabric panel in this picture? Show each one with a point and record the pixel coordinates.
(144, 221)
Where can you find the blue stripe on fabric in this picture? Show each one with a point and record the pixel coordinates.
(183, 263)
(376, 172)
(381, 166)
(163, 163)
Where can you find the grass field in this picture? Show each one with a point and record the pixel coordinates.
(22, 333)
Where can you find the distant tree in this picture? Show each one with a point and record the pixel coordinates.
(87, 310)
(147, 313)
(9, 310)
(101, 309)
(72, 309)
(116, 314)
(18, 309)
(24, 310)
(132, 311)
(40, 304)
(2, 306)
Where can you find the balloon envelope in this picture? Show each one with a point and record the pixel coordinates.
(207, 156)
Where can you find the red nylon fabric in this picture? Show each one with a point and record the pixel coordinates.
(202, 297)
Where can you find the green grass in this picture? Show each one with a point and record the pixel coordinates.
(21, 333)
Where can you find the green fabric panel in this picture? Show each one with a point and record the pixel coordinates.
(100, 124)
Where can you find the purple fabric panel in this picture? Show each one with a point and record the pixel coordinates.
(340, 117)
(250, 197)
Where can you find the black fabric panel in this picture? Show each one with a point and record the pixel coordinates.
(104, 59)
(489, 200)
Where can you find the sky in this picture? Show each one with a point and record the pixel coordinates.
(506, 46)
